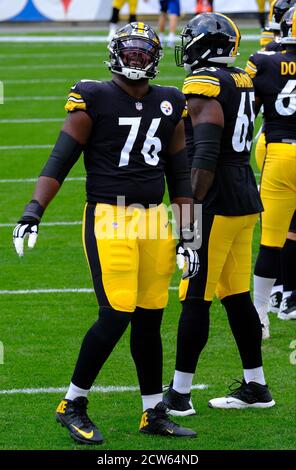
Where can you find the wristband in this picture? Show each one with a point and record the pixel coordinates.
(33, 210)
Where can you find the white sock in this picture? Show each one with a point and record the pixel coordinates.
(182, 381)
(161, 37)
(150, 401)
(74, 392)
(255, 375)
(112, 30)
(287, 294)
(171, 38)
(262, 290)
(278, 288)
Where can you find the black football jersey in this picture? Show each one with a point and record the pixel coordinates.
(274, 46)
(127, 150)
(274, 77)
(234, 190)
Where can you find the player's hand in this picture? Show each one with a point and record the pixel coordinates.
(25, 229)
(188, 260)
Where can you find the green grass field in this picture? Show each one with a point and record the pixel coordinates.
(41, 333)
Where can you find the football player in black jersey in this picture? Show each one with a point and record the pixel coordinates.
(219, 135)
(132, 136)
(288, 253)
(278, 191)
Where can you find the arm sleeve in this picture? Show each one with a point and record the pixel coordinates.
(207, 143)
(178, 175)
(63, 156)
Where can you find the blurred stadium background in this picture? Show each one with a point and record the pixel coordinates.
(46, 302)
(90, 10)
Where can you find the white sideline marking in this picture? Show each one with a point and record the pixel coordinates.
(93, 39)
(30, 121)
(21, 147)
(108, 389)
(33, 180)
(55, 291)
(49, 224)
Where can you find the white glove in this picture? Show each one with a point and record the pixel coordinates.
(188, 260)
(23, 230)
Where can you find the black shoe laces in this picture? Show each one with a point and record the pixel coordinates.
(162, 415)
(81, 411)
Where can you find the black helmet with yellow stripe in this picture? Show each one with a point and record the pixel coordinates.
(277, 10)
(288, 27)
(208, 37)
(135, 51)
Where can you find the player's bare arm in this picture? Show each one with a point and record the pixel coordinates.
(207, 119)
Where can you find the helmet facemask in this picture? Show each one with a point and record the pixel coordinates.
(198, 50)
(135, 56)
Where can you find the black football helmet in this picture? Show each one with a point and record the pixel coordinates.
(135, 51)
(288, 27)
(208, 37)
(277, 10)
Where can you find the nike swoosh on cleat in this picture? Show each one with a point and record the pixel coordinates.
(87, 435)
(170, 431)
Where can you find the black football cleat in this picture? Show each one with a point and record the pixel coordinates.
(156, 421)
(288, 308)
(246, 395)
(178, 404)
(275, 302)
(73, 416)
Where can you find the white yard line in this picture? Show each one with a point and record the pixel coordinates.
(22, 81)
(35, 55)
(80, 39)
(55, 291)
(30, 121)
(33, 180)
(51, 39)
(107, 389)
(25, 147)
(47, 66)
(50, 224)
(35, 98)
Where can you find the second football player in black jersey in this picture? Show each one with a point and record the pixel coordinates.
(221, 111)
